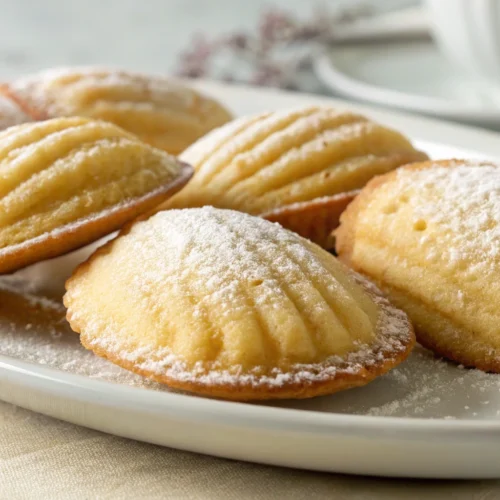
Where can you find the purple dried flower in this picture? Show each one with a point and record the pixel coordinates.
(278, 54)
(237, 41)
(194, 61)
(275, 25)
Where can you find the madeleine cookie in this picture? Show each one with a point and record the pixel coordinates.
(224, 304)
(160, 111)
(68, 181)
(429, 235)
(314, 220)
(264, 162)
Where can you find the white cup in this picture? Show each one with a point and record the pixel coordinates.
(468, 34)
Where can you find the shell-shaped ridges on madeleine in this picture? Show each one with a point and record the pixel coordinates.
(218, 289)
(265, 161)
(56, 172)
(161, 111)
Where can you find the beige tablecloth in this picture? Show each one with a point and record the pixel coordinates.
(41, 457)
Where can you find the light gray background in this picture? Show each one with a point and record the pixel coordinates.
(136, 34)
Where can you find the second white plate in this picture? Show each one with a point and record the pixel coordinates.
(411, 76)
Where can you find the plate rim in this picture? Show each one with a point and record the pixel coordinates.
(197, 408)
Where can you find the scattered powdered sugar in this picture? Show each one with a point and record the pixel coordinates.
(33, 328)
(422, 386)
(27, 295)
(49, 276)
(432, 387)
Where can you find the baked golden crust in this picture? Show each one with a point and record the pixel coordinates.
(161, 111)
(314, 220)
(427, 235)
(265, 315)
(343, 380)
(69, 181)
(444, 335)
(263, 162)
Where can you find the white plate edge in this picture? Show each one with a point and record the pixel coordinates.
(195, 408)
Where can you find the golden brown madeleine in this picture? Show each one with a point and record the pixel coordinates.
(315, 219)
(161, 111)
(229, 305)
(263, 162)
(429, 235)
(68, 181)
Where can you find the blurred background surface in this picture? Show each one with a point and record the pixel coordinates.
(135, 34)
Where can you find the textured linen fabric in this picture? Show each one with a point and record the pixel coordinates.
(44, 458)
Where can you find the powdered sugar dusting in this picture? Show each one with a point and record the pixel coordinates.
(421, 387)
(217, 250)
(33, 328)
(464, 202)
(392, 323)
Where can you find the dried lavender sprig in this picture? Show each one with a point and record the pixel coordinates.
(271, 55)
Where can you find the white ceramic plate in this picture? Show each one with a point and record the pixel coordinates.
(427, 418)
(411, 76)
